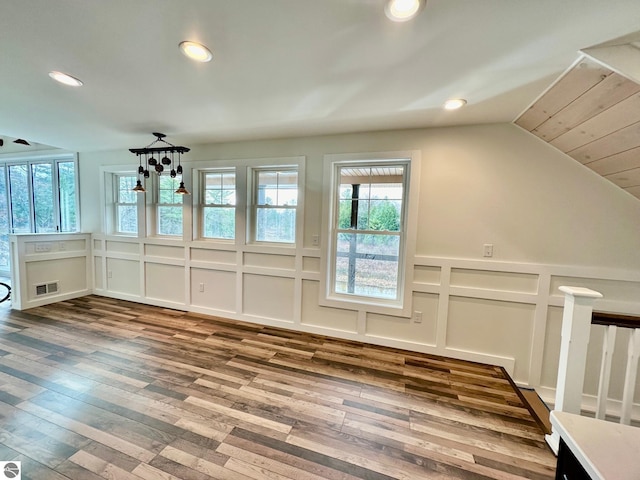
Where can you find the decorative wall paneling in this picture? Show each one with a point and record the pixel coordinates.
(593, 115)
(49, 268)
(499, 313)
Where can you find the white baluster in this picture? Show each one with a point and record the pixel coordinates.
(630, 376)
(608, 346)
(576, 328)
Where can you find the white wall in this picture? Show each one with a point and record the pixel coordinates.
(481, 184)
(551, 221)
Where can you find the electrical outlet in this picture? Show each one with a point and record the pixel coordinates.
(488, 250)
(202, 287)
(109, 274)
(42, 247)
(417, 317)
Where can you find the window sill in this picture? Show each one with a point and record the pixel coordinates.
(370, 305)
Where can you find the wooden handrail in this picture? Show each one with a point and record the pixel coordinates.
(606, 318)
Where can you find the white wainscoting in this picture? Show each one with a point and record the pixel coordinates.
(48, 268)
(492, 312)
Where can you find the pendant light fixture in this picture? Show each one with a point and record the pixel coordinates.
(165, 153)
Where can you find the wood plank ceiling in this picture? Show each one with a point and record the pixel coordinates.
(593, 115)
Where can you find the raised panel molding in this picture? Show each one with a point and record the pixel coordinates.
(62, 263)
(461, 301)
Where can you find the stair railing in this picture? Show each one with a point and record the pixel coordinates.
(577, 318)
(613, 322)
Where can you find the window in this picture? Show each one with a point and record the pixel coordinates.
(369, 257)
(19, 198)
(368, 230)
(67, 195)
(42, 196)
(43, 202)
(126, 210)
(37, 195)
(218, 204)
(275, 205)
(4, 223)
(169, 207)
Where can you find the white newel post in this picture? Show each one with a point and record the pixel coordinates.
(576, 328)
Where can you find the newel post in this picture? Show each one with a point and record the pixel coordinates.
(576, 328)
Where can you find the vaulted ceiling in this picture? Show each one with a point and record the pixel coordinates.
(281, 67)
(592, 113)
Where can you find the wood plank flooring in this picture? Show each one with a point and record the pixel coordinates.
(100, 388)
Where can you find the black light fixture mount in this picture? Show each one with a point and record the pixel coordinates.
(166, 153)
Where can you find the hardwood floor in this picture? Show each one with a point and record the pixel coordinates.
(100, 388)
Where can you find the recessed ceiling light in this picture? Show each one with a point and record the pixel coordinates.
(454, 103)
(402, 10)
(65, 78)
(196, 51)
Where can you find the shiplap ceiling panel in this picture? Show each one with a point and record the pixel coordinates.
(635, 191)
(619, 162)
(607, 122)
(627, 178)
(593, 115)
(569, 88)
(615, 142)
(609, 92)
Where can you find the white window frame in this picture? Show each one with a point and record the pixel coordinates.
(52, 158)
(109, 198)
(401, 306)
(244, 168)
(157, 205)
(68, 159)
(202, 195)
(254, 206)
(118, 204)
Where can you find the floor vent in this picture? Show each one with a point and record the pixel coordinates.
(47, 288)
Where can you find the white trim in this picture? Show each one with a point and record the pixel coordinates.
(401, 306)
(589, 403)
(252, 204)
(38, 155)
(200, 206)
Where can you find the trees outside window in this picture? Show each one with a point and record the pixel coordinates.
(275, 205)
(19, 193)
(67, 182)
(234, 202)
(126, 205)
(43, 202)
(4, 223)
(37, 195)
(169, 206)
(218, 202)
(368, 229)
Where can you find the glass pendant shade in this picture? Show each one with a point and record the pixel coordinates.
(182, 190)
(139, 187)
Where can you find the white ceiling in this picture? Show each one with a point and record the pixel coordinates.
(281, 67)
